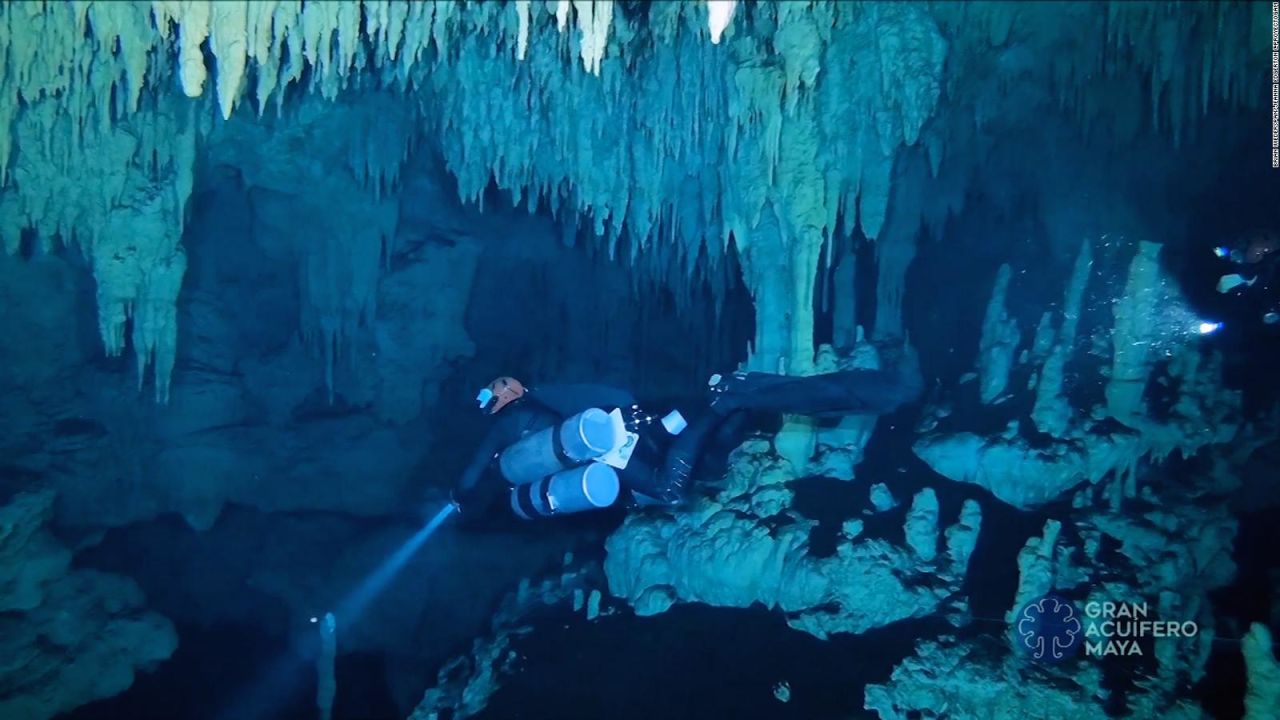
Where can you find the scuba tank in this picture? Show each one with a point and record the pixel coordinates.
(573, 466)
(592, 486)
(582, 438)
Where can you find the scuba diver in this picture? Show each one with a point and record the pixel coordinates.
(562, 449)
(1255, 259)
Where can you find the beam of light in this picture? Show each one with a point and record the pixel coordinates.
(1208, 328)
(350, 609)
(282, 680)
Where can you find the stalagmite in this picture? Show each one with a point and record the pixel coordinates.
(840, 448)
(465, 684)
(1263, 695)
(1135, 328)
(70, 635)
(999, 341)
(326, 666)
(962, 537)
(1052, 413)
(730, 551)
(921, 529)
(1035, 569)
(1043, 342)
(881, 497)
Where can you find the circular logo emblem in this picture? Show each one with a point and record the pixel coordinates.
(1049, 629)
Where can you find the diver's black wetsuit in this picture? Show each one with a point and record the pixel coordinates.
(661, 467)
(848, 392)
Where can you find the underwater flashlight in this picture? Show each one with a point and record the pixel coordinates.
(1208, 328)
(1221, 251)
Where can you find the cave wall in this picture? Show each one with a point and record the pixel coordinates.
(276, 461)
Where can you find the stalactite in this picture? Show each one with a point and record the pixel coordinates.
(120, 195)
(896, 248)
(844, 307)
(850, 84)
(719, 15)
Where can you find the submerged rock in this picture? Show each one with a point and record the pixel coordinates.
(719, 552)
(68, 637)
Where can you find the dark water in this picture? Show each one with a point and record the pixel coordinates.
(693, 661)
(235, 672)
(696, 662)
(210, 666)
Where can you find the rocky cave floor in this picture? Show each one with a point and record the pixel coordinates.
(694, 660)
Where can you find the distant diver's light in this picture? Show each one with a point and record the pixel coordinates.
(1208, 328)
(1221, 252)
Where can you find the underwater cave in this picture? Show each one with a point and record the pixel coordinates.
(593, 359)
